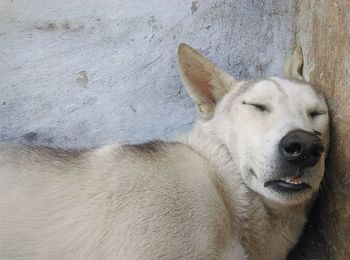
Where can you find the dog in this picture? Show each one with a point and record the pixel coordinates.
(238, 186)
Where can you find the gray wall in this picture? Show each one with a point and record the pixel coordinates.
(85, 73)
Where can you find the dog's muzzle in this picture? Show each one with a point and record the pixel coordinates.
(298, 150)
(301, 148)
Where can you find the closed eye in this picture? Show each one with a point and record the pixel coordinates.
(316, 113)
(258, 106)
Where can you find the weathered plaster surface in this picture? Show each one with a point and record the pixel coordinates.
(85, 73)
(323, 30)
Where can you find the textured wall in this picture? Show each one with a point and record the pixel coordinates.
(83, 73)
(323, 30)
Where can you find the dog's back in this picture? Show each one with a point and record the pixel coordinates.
(148, 201)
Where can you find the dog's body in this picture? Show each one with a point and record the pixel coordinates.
(221, 192)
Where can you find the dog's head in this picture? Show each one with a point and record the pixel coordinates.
(275, 129)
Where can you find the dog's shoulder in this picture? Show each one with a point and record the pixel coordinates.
(152, 148)
(154, 152)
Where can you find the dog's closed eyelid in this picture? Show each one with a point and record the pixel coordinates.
(258, 106)
(315, 113)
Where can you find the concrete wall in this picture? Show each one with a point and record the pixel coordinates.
(323, 30)
(84, 73)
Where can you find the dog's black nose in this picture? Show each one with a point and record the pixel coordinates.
(301, 148)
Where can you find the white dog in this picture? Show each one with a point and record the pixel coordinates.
(238, 186)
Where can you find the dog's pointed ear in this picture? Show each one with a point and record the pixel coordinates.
(293, 66)
(205, 82)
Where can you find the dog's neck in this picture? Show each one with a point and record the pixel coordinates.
(282, 221)
(210, 149)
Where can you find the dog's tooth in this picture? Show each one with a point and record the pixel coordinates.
(296, 180)
(293, 180)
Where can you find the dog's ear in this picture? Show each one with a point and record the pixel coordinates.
(205, 82)
(293, 66)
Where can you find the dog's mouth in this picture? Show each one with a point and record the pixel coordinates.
(288, 184)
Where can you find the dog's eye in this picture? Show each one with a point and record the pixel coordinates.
(316, 113)
(260, 107)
